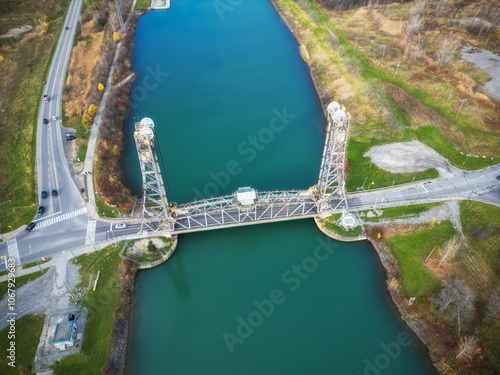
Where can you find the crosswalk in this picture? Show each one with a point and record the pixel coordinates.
(60, 218)
(13, 251)
(90, 237)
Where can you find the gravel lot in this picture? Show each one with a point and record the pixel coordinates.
(408, 157)
(490, 63)
(47, 293)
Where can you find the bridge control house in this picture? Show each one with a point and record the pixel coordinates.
(246, 196)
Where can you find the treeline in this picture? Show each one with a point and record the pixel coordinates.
(109, 150)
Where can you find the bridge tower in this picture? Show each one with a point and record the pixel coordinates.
(155, 206)
(331, 193)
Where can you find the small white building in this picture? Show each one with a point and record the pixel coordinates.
(246, 196)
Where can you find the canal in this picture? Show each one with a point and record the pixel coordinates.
(234, 105)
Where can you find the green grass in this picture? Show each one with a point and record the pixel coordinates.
(102, 306)
(332, 224)
(402, 211)
(141, 4)
(20, 281)
(27, 336)
(34, 264)
(433, 138)
(411, 249)
(20, 107)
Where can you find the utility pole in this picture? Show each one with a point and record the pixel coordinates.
(461, 105)
(397, 67)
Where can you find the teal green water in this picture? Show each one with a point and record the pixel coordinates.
(272, 299)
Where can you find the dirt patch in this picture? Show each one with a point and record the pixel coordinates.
(383, 23)
(406, 157)
(16, 31)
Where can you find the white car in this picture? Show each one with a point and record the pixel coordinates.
(54, 118)
(120, 226)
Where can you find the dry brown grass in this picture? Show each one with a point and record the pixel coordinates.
(84, 59)
(384, 24)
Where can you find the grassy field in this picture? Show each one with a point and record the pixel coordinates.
(23, 70)
(410, 251)
(28, 331)
(20, 281)
(102, 309)
(141, 4)
(401, 211)
(387, 108)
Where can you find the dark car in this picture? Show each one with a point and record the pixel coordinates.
(54, 193)
(30, 227)
(498, 177)
(44, 194)
(70, 137)
(41, 210)
(45, 121)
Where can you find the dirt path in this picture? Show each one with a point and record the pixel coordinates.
(47, 293)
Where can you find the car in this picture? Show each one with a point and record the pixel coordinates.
(54, 118)
(498, 177)
(54, 193)
(45, 121)
(69, 134)
(46, 98)
(30, 227)
(67, 28)
(41, 210)
(120, 226)
(70, 137)
(44, 194)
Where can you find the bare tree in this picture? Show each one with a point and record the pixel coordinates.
(418, 8)
(457, 301)
(445, 54)
(467, 348)
(492, 306)
(415, 25)
(442, 7)
(450, 248)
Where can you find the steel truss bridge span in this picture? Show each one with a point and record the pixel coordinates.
(246, 206)
(227, 212)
